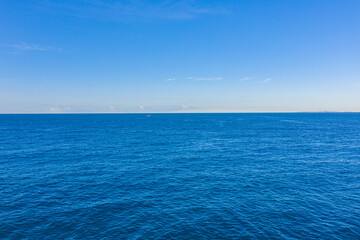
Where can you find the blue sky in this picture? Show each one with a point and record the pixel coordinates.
(179, 56)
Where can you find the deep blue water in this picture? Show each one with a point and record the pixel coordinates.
(180, 176)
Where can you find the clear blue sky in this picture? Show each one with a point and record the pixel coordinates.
(179, 56)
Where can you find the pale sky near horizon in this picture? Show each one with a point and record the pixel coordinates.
(179, 56)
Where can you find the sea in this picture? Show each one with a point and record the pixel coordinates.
(180, 176)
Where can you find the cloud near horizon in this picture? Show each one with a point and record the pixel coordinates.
(61, 109)
(112, 109)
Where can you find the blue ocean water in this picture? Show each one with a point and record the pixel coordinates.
(180, 176)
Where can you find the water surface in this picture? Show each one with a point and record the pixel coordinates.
(180, 176)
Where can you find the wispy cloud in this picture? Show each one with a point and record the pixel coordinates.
(61, 109)
(112, 108)
(173, 108)
(205, 78)
(266, 80)
(131, 10)
(150, 108)
(76, 109)
(246, 79)
(32, 47)
(170, 79)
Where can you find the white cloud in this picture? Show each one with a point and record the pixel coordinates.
(49, 108)
(170, 79)
(131, 10)
(112, 108)
(61, 109)
(266, 80)
(205, 78)
(33, 47)
(245, 79)
(54, 109)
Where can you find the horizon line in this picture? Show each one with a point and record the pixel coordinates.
(56, 113)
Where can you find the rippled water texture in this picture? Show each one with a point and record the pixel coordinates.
(180, 176)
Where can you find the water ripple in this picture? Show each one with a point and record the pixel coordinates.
(181, 176)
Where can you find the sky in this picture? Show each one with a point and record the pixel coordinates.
(179, 56)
